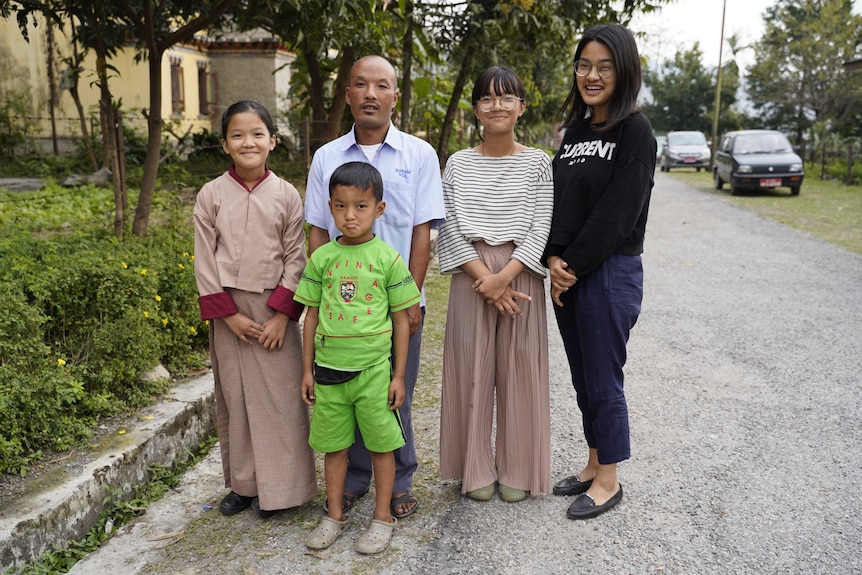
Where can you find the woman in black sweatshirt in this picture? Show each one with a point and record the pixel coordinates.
(603, 176)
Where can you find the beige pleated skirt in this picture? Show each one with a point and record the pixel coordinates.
(490, 357)
(262, 422)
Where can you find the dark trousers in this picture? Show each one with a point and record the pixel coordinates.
(359, 460)
(597, 315)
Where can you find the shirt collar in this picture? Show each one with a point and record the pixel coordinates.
(393, 137)
(232, 171)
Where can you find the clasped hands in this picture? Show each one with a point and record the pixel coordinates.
(561, 278)
(495, 290)
(270, 335)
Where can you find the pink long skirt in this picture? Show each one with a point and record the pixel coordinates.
(486, 357)
(262, 422)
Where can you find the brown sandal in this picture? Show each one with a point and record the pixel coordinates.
(406, 498)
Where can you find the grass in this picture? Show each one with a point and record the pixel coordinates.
(827, 210)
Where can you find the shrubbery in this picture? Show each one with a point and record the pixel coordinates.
(85, 315)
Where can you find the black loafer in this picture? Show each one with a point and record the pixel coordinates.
(585, 508)
(234, 503)
(263, 513)
(571, 485)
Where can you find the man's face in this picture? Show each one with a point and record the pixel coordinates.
(372, 93)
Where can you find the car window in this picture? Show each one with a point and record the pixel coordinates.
(686, 139)
(761, 144)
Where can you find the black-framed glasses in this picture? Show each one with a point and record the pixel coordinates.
(605, 68)
(507, 102)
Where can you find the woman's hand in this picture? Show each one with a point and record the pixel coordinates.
(244, 327)
(506, 304)
(274, 328)
(561, 278)
(490, 287)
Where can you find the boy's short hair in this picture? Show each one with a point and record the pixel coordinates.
(360, 175)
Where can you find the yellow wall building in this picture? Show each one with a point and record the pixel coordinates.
(199, 81)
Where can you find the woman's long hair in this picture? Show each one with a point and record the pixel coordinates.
(627, 68)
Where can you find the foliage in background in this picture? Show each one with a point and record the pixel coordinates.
(17, 126)
(682, 94)
(798, 78)
(85, 315)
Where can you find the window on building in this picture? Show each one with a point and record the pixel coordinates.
(206, 89)
(178, 94)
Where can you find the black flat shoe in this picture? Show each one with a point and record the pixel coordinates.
(585, 508)
(263, 513)
(234, 503)
(571, 485)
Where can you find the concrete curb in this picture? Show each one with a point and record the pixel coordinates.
(50, 516)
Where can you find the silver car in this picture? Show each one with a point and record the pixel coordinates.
(685, 150)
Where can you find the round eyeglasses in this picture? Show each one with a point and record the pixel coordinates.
(605, 68)
(507, 102)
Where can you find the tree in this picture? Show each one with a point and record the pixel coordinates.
(95, 29)
(682, 93)
(487, 32)
(798, 81)
(327, 38)
(158, 25)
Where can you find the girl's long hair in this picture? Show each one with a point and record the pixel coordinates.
(627, 68)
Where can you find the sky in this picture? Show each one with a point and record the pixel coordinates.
(677, 26)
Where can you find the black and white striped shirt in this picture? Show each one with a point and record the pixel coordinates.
(496, 200)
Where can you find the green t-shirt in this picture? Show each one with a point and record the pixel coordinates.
(355, 287)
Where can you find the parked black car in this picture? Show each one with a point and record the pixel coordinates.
(684, 150)
(749, 159)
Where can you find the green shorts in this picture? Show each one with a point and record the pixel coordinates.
(363, 401)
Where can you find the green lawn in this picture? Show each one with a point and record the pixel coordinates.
(827, 210)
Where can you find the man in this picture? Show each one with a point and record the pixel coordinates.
(414, 205)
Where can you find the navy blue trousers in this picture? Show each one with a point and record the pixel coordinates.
(359, 467)
(597, 316)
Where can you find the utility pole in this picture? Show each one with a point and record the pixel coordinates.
(714, 141)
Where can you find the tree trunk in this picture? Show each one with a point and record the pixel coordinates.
(318, 101)
(75, 63)
(407, 68)
(85, 132)
(154, 144)
(339, 94)
(457, 90)
(106, 111)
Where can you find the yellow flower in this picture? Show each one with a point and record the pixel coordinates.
(193, 330)
(165, 321)
(143, 272)
(125, 265)
(61, 362)
(122, 432)
(158, 297)
(181, 266)
(146, 314)
(185, 254)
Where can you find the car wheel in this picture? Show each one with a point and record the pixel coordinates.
(698, 169)
(734, 189)
(719, 183)
(794, 190)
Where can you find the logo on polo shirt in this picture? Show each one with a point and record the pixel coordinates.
(403, 172)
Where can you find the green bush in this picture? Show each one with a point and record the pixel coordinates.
(84, 316)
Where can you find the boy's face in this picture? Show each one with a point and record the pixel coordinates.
(354, 211)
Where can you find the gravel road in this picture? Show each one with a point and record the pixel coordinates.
(744, 392)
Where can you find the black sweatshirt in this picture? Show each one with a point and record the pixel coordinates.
(602, 186)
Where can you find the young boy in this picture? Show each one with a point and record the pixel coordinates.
(357, 289)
